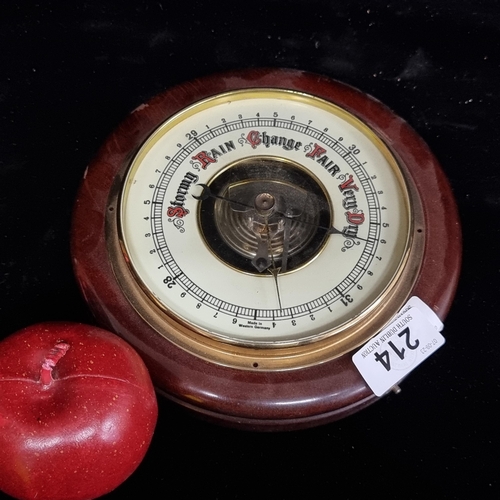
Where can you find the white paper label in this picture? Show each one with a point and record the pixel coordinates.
(401, 346)
(429, 314)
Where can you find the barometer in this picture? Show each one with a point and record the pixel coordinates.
(247, 232)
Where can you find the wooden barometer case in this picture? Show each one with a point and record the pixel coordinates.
(248, 232)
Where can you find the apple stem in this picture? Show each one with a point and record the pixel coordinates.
(55, 354)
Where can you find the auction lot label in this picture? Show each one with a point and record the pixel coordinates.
(400, 347)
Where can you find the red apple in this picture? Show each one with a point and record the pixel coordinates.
(77, 412)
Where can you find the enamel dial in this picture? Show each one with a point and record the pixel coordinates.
(316, 258)
(247, 232)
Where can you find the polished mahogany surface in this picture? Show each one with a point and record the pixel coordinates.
(70, 74)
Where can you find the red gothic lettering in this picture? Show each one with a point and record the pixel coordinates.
(348, 184)
(204, 159)
(355, 218)
(176, 212)
(316, 152)
(253, 138)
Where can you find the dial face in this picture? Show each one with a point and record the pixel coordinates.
(265, 218)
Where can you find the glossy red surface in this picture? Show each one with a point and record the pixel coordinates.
(249, 399)
(82, 428)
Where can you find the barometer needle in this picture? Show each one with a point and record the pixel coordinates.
(273, 270)
(207, 193)
(286, 244)
(333, 230)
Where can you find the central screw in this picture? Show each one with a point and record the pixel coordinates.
(264, 203)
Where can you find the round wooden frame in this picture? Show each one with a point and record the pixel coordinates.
(259, 400)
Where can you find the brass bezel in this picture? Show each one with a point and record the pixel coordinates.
(247, 357)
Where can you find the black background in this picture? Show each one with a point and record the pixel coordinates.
(71, 71)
